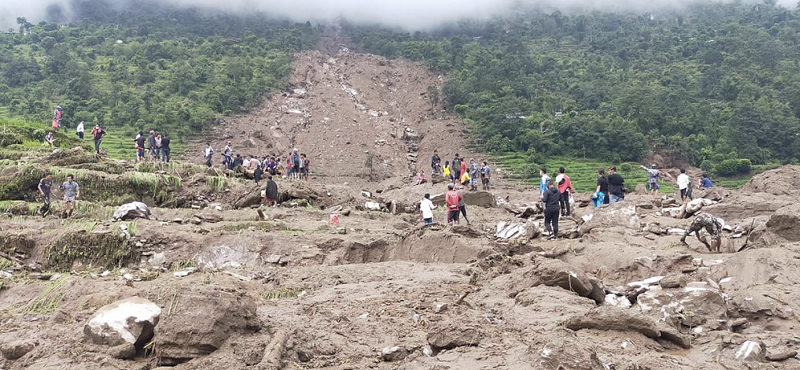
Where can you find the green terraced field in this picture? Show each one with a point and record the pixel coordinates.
(582, 172)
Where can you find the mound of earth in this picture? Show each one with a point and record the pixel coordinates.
(780, 181)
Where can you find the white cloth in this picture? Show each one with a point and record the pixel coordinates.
(80, 127)
(209, 151)
(246, 163)
(427, 207)
(683, 181)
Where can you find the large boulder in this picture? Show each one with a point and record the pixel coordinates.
(201, 323)
(620, 214)
(698, 303)
(553, 272)
(780, 181)
(127, 324)
(620, 319)
(225, 257)
(131, 211)
(449, 337)
(250, 198)
(15, 349)
(785, 222)
(517, 230)
(480, 199)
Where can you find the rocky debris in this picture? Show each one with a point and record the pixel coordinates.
(785, 222)
(123, 325)
(298, 190)
(620, 214)
(552, 272)
(780, 181)
(567, 352)
(251, 198)
(698, 303)
(15, 349)
(781, 356)
(516, 230)
(206, 217)
(617, 319)
(451, 336)
(673, 281)
(200, 324)
(226, 257)
(693, 206)
(480, 198)
(131, 211)
(392, 354)
(751, 351)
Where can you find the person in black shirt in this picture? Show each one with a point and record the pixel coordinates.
(44, 188)
(616, 186)
(140, 146)
(552, 208)
(165, 148)
(602, 185)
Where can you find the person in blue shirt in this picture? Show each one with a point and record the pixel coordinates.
(705, 182)
(486, 175)
(543, 184)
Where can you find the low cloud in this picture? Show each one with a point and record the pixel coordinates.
(407, 14)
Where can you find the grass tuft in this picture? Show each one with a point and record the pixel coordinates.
(50, 299)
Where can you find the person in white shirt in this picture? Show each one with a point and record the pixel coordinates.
(246, 162)
(426, 208)
(208, 153)
(683, 184)
(79, 130)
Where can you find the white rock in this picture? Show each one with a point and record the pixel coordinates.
(372, 206)
(130, 321)
(185, 272)
(750, 351)
(132, 210)
(617, 301)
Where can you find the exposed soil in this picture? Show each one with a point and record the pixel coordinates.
(289, 290)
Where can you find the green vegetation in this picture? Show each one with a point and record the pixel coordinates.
(50, 298)
(145, 65)
(709, 83)
(98, 250)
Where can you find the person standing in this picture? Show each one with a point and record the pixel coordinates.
(238, 161)
(272, 192)
(463, 166)
(543, 183)
(208, 153)
(257, 173)
(159, 144)
(616, 186)
(436, 163)
(165, 149)
(57, 115)
(602, 187)
(462, 207)
(652, 178)
(71, 194)
(254, 163)
(426, 208)
(79, 130)
(98, 134)
(455, 168)
(227, 159)
(306, 164)
(552, 208)
(45, 184)
(566, 190)
(151, 145)
(446, 171)
(486, 175)
(140, 146)
(452, 200)
(684, 182)
(295, 157)
(474, 174)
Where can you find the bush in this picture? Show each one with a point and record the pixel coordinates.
(732, 167)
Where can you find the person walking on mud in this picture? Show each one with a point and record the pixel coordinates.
(98, 135)
(45, 184)
(71, 194)
(552, 208)
(208, 153)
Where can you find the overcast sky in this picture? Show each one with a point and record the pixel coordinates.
(409, 14)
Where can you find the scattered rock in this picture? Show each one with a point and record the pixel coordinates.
(392, 354)
(618, 319)
(785, 222)
(553, 272)
(449, 337)
(751, 351)
(185, 272)
(673, 281)
(200, 324)
(15, 349)
(621, 214)
(131, 211)
(128, 322)
(208, 217)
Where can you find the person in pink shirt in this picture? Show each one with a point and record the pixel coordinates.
(566, 189)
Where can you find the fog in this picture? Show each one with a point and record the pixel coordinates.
(408, 14)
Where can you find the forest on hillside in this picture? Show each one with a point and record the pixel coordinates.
(716, 85)
(145, 66)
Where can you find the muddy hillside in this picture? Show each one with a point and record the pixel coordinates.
(181, 266)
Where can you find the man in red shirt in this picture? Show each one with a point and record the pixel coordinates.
(565, 188)
(453, 198)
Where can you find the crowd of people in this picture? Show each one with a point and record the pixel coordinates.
(70, 189)
(460, 172)
(295, 167)
(156, 145)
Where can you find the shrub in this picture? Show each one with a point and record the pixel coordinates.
(732, 167)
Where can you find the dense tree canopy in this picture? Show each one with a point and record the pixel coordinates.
(712, 82)
(145, 66)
